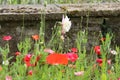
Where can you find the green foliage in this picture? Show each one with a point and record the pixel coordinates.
(43, 71)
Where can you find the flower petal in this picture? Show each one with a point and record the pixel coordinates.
(49, 51)
(8, 78)
(55, 59)
(80, 73)
(7, 38)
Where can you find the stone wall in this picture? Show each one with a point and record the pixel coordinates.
(90, 16)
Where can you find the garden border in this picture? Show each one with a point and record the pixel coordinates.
(55, 11)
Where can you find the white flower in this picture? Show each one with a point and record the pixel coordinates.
(5, 62)
(62, 37)
(66, 24)
(113, 52)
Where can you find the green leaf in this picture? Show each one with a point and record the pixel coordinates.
(103, 76)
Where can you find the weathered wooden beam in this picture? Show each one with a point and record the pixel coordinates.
(55, 11)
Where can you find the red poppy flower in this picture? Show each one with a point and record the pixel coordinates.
(27, 59)
(7, 38)
(72, 56)
(99, 61)
(55, 59)
(74, 50)
(28, 64)
(30, 72)
(35, 37)
(97, 50)
(17, 53)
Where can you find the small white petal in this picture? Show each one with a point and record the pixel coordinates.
(113, 52)
(5, 62)
(79, 73)
(66, 24)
